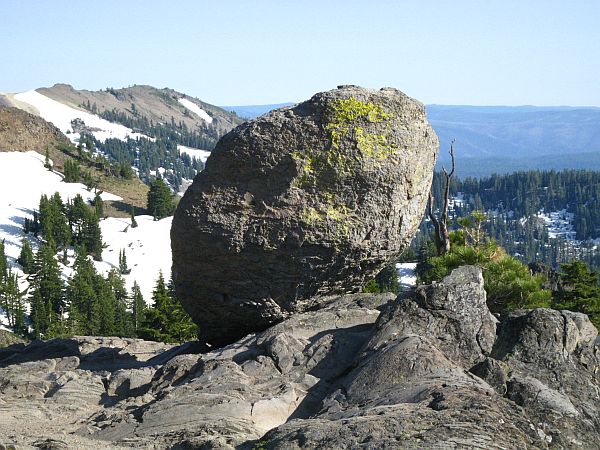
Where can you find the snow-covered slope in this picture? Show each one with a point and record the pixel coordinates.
(61, 116)
(195, 109)
(23, 179)
(559, 224)
(147, 249)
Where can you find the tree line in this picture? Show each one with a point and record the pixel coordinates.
(513, 202)
(148, 156)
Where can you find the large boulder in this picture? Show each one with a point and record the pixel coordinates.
(298, 204)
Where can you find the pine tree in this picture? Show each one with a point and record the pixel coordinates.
(53, 221)
(72, 171)
(387, 279)
(47, 278)
(39, 314)
(26, 258)
(581, 292)
(103, 311)
(160, 200)
(47, 163)
(138, 307)
(123, 269)
(92, 236)
(47, 287)
(77, 214)
(155, 320)
(98, 204)
(11, 300)
(123, 320)
(181, 328)
(3, 263)
(81, 294)
(133, 221)
(166, 320)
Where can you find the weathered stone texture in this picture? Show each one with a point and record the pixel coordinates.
(300, 203)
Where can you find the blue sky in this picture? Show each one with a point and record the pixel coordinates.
(483, 52)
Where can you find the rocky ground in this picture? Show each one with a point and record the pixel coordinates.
(21, 131)
(431, 369)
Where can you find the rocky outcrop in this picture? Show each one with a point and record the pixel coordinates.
(157, 396)
(434, 375)
(430, 369)
(298, 204)
(21, 131)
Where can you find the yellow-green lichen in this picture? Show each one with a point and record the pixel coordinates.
(307, 168)
(311, 216)
(347, 116)
(348, 110)
(373, 145)
(347, 119)
(321, 169)
(335, 219)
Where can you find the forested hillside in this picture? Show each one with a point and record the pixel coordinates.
(550, 216)
(155, 132)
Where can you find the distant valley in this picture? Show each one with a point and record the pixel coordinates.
(505, 139)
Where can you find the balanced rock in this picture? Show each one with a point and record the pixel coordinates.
(298, 204)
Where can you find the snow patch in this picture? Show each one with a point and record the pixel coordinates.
(559, 224)
(407, 276)
(197, 153)
(147, 250)
(457, 201)
(195, 109)
(61, 116)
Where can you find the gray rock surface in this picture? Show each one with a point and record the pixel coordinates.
(298, 204)
(434, 375)
(429, 369)
(159, 396)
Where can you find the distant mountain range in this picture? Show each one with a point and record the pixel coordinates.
(488, 139)
(505, 139)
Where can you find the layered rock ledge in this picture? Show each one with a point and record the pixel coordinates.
(430, 369)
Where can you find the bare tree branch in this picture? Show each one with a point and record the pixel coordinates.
(441, 236)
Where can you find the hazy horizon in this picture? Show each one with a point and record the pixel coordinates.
(253, 53)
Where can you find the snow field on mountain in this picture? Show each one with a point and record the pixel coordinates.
(61, 116)
(195, 109)
(559, 224)
(197, 153)
(23, 179)
(147, 249)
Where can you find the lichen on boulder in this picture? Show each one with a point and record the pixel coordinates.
(298, 204)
